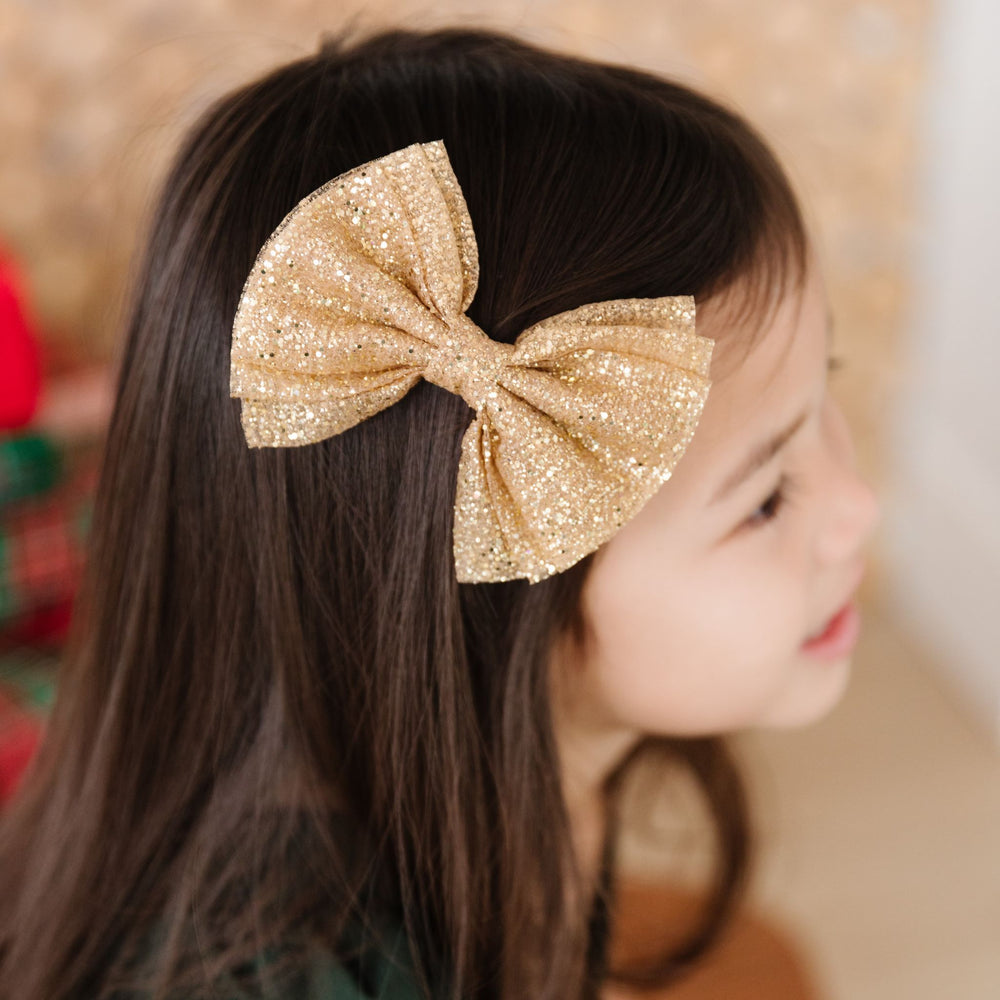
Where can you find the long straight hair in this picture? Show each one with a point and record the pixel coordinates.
(279, 715)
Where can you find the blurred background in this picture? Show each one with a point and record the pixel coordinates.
(878, 826)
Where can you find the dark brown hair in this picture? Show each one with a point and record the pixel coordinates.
(280, 713)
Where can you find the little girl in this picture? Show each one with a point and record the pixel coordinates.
(472, 444)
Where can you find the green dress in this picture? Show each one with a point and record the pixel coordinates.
(371, 974)
(375, 975)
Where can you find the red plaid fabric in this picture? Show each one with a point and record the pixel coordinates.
(42, 543)
(41, 553)
(30, 465)
(27, 690)
(20, 735)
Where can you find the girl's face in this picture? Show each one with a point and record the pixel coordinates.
(696, 611)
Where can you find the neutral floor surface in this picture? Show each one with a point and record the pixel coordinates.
(880, 833)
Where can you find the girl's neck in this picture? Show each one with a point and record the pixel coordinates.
(588, 754)
(588, 822)
(589, 749)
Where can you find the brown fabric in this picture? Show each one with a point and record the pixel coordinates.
(757, 959)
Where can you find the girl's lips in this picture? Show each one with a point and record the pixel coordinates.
(839, 636)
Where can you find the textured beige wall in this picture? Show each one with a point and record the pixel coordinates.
(95, 96)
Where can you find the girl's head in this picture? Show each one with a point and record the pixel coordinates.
(278, 693)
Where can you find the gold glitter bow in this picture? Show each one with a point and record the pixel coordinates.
(362, 290)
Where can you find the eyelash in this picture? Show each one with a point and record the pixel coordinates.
(778, 499)
(774, 504)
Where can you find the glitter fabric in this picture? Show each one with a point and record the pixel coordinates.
(362, 290)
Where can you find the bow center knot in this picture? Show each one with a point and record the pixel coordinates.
(468, 362)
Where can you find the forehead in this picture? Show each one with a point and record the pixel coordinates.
(755, 391)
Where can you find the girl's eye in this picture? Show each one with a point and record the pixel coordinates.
(771, 507)
(778, 499)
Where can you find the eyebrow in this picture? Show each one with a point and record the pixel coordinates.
(763, 452)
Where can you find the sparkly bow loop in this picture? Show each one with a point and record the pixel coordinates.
(362, 290)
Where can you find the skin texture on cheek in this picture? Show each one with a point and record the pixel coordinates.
(694, 654)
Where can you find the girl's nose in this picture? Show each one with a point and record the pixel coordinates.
(854, 513)
(853, 509)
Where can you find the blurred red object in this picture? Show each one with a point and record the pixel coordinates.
(20, 735)
(21, 371)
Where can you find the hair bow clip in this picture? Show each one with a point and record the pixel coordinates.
(362, 290)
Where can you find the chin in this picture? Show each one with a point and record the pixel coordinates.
(810, 697)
